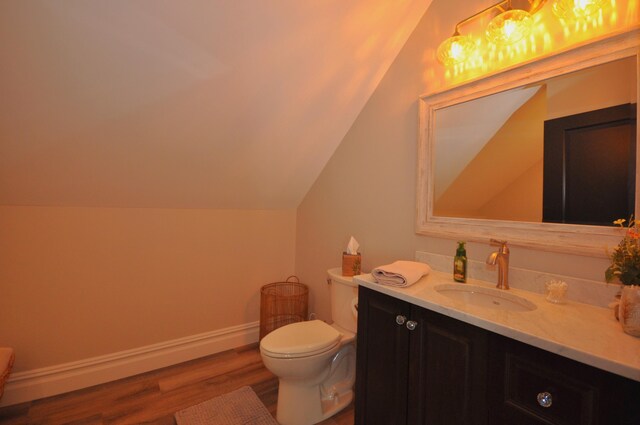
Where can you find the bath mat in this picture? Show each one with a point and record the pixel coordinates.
(239, 407)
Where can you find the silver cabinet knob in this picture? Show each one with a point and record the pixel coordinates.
(400, 319)
(411, 325)
(545, 399)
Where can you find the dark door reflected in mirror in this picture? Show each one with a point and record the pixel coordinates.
(491, 159)
(590, 167)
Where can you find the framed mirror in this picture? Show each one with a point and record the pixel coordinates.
(542, 155)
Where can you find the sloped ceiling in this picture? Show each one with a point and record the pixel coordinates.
(460, 140)
(184, 104)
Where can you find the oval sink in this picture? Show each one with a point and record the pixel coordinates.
(479, 296)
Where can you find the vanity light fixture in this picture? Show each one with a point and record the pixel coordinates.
(508, 27)
(455, 49)
(576, 9)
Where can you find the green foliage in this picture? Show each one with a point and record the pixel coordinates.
(625, 259)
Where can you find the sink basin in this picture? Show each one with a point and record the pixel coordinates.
(479, 296)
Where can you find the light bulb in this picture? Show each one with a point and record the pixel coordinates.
(578, 9)
(455, 50)
(509, 27)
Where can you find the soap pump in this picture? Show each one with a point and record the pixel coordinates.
(460, 263)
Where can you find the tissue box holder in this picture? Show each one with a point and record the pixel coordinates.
(351, 264)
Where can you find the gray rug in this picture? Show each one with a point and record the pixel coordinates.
(239, 407)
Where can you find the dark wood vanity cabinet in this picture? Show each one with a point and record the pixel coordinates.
(382, 360)
(538, 387)
(416, 367)
(447, 371)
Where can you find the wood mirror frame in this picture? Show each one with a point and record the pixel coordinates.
(577, 239)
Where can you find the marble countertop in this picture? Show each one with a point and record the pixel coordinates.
(581, 332)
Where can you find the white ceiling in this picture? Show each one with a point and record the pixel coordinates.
(184, 104)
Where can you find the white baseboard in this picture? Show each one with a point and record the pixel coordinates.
(58, 379)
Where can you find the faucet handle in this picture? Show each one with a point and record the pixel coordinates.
(501, 244)
(497, 242)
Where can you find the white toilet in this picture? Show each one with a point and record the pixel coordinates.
(315, 362)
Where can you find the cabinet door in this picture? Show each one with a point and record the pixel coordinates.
(382, 360)
(447, 371)
(532, 386)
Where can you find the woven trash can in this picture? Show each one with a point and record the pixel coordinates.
(7, 356)
(282, 303)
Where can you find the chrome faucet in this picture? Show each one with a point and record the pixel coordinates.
(501, 257)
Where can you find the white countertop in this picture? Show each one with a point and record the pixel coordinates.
(581, 332)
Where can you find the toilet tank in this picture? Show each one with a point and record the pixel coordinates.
(344, 295)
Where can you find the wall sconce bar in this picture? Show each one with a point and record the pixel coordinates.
(509, 26)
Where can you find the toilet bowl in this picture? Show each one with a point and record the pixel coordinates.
(314, 361)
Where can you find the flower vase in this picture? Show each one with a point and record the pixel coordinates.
(629, 310)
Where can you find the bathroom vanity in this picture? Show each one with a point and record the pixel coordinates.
(425, 357)
(439, 352)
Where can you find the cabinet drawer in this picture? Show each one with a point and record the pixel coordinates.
(546, 395)
(577, 394)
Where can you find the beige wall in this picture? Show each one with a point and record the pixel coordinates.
(609, 85)
(82, 282)
(367, 188)
(523, 196)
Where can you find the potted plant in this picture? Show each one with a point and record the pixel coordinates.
(625, 267)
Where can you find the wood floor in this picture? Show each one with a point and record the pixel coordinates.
(153, 397)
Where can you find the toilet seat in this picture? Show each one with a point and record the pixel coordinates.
(300, 339)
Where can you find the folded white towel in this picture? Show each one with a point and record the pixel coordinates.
(400, 273)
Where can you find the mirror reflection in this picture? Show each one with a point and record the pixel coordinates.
(562, 150)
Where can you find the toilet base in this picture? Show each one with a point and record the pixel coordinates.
(304, 405)
(332, 406)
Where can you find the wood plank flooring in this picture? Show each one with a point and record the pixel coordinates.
(153, 397)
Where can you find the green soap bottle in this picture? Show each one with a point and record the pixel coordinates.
(460, 264)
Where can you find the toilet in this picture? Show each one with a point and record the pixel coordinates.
(315, 362)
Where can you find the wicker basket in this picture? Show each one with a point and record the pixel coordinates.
(282, 303)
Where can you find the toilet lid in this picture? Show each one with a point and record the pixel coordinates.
(300, 339)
